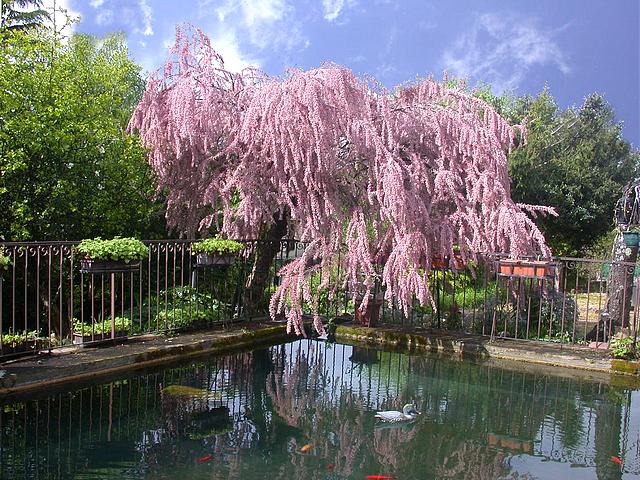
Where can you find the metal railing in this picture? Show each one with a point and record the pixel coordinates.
(562, 300)
(46, 300)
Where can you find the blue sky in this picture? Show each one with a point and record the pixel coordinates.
(574, 46)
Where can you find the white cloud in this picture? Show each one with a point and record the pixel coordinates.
(146, 17)
(332, 9)
(264, 22)
(241, 26)
(252, 12)
(104, 16)
(137, 16)
(235, 60)
(501, 50)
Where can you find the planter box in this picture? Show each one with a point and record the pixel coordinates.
(439, 263)
(214, 259)
(79, 339)
(448, 263)
(88, 265)
(526, 268)
(8, 349)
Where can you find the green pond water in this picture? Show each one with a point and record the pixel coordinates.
(305, 410)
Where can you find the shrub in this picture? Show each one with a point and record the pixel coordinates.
(623, 348)
(123, 324)
(180, 307)
(124, 249)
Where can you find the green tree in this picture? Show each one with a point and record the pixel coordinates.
(67, 169)
(575, 161)
(21, 14)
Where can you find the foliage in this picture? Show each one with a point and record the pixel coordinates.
(576, 161)
(122, 324)
(126, 249)
(559, 337)
(67, 170)
(18, 338)
(5, 260)
(409, 173)
(15, 15)
(623, 347)
(602, 247)
(217, 246)
(185, 317)
(182, 308)
(455, 291)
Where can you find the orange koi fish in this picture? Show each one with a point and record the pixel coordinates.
(378, 477)
(206, 458)
(616, 460)
(306, 448)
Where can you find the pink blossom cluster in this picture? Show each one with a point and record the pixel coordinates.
(365, 176)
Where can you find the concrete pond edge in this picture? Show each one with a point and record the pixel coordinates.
(536, 357)
(569, 361)
(181, 350)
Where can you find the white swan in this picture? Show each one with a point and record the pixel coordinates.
(407, 414)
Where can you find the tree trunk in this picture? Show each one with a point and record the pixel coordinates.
(266, 251)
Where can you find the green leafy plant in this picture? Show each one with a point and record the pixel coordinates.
(179, 308)
(217, 246)
(125, 249)
(5, 260)
(123, 324)
(19, 338)
(623, 348)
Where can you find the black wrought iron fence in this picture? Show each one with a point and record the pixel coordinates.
(562, 300)
(47, 301)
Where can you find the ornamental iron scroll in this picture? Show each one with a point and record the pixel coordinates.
(627, 209)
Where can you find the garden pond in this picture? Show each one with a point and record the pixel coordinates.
(305, 410)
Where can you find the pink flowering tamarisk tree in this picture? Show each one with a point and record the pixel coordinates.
(364, 176)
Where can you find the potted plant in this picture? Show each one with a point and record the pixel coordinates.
(631, 238)
(438, 262)
(370, 316)
(526, 268)
(110, 256)
(85, 333)
(215, 251)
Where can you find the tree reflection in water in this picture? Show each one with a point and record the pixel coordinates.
(262, 407)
